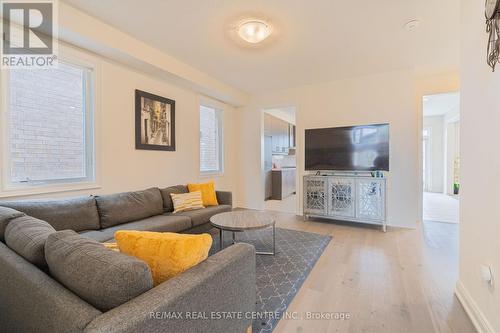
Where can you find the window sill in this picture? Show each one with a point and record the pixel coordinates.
(210, 174)
(27, 191)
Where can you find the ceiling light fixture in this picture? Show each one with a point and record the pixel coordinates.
(412, 25)
(254, 31)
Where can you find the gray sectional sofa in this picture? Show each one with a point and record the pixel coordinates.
(37, 294)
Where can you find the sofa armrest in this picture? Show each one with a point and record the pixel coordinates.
(32, 301)
(224, 197)
(193, 301)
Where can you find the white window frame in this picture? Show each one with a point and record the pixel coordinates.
(220, 110)
(75, 58)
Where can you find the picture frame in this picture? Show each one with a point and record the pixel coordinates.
(154, 122)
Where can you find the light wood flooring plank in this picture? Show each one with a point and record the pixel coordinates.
(399, 281)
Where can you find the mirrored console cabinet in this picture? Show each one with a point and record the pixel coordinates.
(343, 197)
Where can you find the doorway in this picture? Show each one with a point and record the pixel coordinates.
(280, 164)
(441, 157)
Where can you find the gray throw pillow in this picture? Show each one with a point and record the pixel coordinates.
(26, 236)
(100, 276)
(125, 207)
(168, 205)
(6, 215)
(77, 214)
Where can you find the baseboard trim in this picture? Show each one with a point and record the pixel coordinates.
(476, 316)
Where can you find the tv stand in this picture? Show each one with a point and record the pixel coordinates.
(346, 196)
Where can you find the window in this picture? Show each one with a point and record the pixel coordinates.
(211, 142)
(49, 126)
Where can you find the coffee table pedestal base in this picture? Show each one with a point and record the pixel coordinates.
(221, 245)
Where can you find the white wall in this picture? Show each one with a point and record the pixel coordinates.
(162, 168)
(135, 65)
(452, 142)
(452, 115)
(286, 114)
(437, 152)
(388, 97)
(85, 31)
(120, 166)
(480, 176)
(452, 151)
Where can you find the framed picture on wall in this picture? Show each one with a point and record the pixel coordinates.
(154, 122)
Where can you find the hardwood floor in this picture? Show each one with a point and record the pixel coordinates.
(399, 281)
(287, 205)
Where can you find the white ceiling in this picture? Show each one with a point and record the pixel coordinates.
(441, 104)
(313, 41)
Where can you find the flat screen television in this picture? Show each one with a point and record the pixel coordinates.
(353, 148)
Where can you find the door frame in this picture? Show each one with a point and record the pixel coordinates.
(427, 159)
(422, 92)
(262, 111)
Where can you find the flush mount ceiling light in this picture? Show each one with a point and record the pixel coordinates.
(412, 25)
(254, 31)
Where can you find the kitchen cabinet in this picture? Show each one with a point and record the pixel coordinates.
(280, 132)
(286, 136)
(283, 183)
(268, 184)
(268, 165)
(275, 134)
(291, 135)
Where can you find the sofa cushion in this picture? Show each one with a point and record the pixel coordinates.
(103, 278)
(201, 216)
(26, 236)
(6, 215)
(224, 197)
(168, 205)
(124, 207)
(159, 223)
(74, 213)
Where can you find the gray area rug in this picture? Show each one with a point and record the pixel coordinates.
(279, 277)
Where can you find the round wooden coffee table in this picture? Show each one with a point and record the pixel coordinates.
(241, 220)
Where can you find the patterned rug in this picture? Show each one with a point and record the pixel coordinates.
(279, 277)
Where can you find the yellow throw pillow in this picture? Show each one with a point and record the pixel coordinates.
(187, 201)
(207, 192)
(166, 253)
